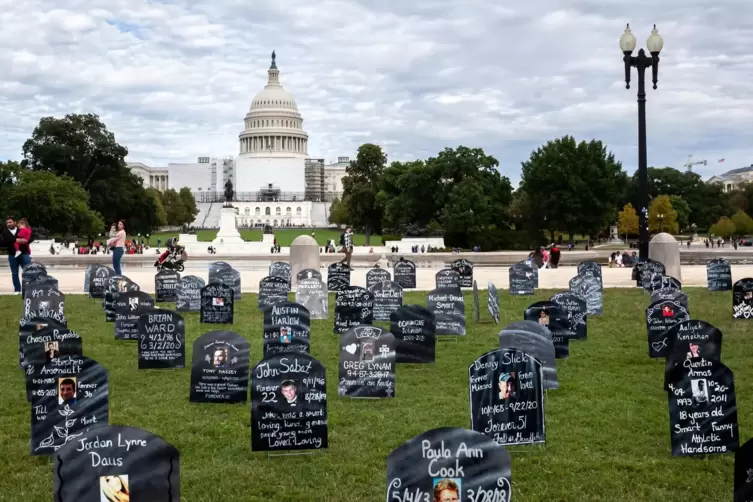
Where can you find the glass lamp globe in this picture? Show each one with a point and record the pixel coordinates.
(655, 42)
(628, 41)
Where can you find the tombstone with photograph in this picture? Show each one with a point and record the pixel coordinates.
(742, 299)
(166, 283)
(285, 389)
(117, 464)
(281, 269)
(674, 295)
(219, 368)
(719, 275)
(162, 340)
(36, 321)
(405, 273)
(577, 312)
(116, 285)
(217, 304)
(507, 397)
(338, 277)
(447, 278)
(308, 273)
(589, 288)
(98, 280)
(554, 317)
(43, 298)
(646, 270)
(189, 294)
(388, 297)
(465, 269)
(449, 464)
(448, 307)
(522, 279)
(692, 342)
(354, 306)
(661, 281)
(52, 342)
(376, 276)
(414, 330)
(273, 289)
(287, 328)
(534, 339)
(128, 309)
(367, 363)
(312, 294)
(661, 316)
(69, 396)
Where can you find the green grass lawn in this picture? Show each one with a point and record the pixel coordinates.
(607, 426)
(284, 236)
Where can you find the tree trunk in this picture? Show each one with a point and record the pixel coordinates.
(551, 235)
(571, 236)
(368, 236)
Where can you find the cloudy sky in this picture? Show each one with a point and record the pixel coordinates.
(174, 79)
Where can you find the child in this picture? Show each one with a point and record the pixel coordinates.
(24, 232)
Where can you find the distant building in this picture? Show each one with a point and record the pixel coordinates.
(732, 179)
(151, 177)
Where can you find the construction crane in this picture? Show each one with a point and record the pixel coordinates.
(689, 164)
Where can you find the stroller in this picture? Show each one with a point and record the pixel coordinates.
(173, 257)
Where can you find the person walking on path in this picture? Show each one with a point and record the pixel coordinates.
(8, 241)
(116, 243)
(346, 239)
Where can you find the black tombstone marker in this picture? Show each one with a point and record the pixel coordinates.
(338, 277)
(689, 342)
(88, 273)
(98, 281)
(405, 274)
(162, 340)
(522, 281)
(702, 410)
(554, 317)
(354, 306)
(507, 397)
(591, 268)
(273, 289)
(534, 269)
(719, 275)
(367, 363)
(37, 321)
(476, 306)
(33, 272)
(377, 275)
(308, 273)
(742, 299)
(217, 304)
(116, 285)
(492, 302)
(414, 330)
(457, 463)
(215, 268)
(281, 269)
(447, 278)
(287, 328)
(68, 397)
(662, 281)
(674, 295)
(448, 307)
(219, 368)
(646, 270)
(40, 347)
(166, 283)
(577, 312)
(189, 294)
(288, 404)
(128, 308)
(388, 297)
(101, 463)
(589, 288)
(744, 473)
(232, 278)
(465, 269)
(535, 339)
(312, 294)
(43, 298)
(661, 316)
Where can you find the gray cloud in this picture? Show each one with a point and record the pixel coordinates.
(173, 80)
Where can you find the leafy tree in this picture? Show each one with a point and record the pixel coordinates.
(407, 193)
(628, 220)
(189, 205)
(683, 211)
(338, 213)
(576, 186)
(9, 174)
(360, 187)
(161, 215)
(722, 228)
(661, 216)
(743, 223)
(57, 203)
(174, 208)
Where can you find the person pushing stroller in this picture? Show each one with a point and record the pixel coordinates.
(173, 257)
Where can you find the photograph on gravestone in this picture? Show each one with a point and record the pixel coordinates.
(128, 308)
(44, 346)
(449, 464)
(162, 340)
(288, 404)
(414, 330)
(219, 368)
(377, 275)
(507, 397)
(465, 269)
(448, 307)
(34, 271)
(661, 281)
(535, 339)
(367, 363)
(115, 286)
(215, 268)
(590, 267)
(589, 288)
(37, 321)
(232, 278)
(691, 342)
(447, 278)
(272, 289)
(98, 281)
(166, 284)
(281, 269)
(308, 273)
(287, 328)
(661, 316)
(743, 480)
(354, 306)
(189, 294)
(312, 294)
(217, 304)
(88, 274)
(554, 317)
(68, 397)
(492, 302)
(115, 463)
(719, 275)
(388, 297)
(742, 299)
(702, 410)
(43, 298)
(476, 305)
(649, 268)
(577, 312)
(674, 295)
(521, 278)
(338, 277)
(405, 273)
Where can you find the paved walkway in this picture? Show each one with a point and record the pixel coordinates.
(71, 280)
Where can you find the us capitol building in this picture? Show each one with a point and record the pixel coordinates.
(275, 181)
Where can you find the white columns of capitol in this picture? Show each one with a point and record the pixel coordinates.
(260, 144)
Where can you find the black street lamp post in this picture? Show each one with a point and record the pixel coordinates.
(642, 62)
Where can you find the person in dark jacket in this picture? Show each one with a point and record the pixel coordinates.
(8, 241)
